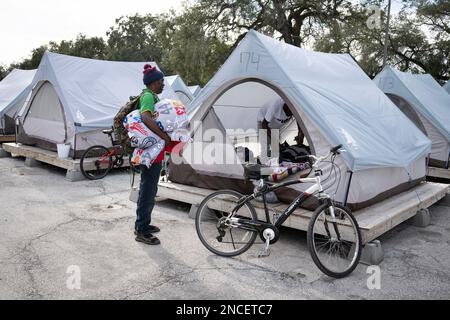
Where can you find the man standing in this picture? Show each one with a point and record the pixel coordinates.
(154, 82)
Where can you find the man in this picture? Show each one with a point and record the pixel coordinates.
(275, 115)
(154, 82)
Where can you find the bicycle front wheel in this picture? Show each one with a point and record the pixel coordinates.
(218, 236)
(96, 162)
(335, 244)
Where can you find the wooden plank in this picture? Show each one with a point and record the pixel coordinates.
(47, 156)
(438, 172)
(7, 138)
(382, 217)
(373, 221)
(42, 155)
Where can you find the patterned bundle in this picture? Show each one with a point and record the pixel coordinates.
(170, 115)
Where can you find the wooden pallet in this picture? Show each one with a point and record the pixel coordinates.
(7, 138)
(38, 154)
(438, 173)
(373, 221)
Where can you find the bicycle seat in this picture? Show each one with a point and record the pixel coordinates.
(108, 131)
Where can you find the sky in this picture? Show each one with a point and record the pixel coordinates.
(28, 24)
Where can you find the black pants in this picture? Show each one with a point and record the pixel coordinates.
(147, 193)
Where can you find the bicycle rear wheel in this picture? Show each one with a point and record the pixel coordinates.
(335, 245)
(96, 162)
(216, 236)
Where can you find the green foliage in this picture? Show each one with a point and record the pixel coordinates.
(134, 38)
(196, 42)
(3, 72)
(191, 52)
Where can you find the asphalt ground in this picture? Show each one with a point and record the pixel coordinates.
(74, 240)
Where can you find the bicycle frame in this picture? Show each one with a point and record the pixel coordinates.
(315, 188)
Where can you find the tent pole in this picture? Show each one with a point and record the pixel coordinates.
(348, 187)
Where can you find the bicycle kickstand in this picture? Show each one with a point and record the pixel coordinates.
(265, 252)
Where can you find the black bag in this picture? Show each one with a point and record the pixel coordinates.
(290, 153)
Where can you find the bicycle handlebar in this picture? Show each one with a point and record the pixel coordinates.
(335, 150)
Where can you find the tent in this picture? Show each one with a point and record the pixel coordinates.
(73, 99)
(447, 87)
(195, 90)
(14, 89)
(426, 103)
(333, 101)
(181, 89)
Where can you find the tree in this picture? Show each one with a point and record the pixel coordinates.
(178, 43)
(410, 47)
(33, 61)
(134, 38)
(94, 48)
(297, 22)
(190, 51)
(3, 72)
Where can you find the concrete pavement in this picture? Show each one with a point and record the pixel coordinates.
(52, 230)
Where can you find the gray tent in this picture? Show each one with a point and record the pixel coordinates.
(426, 103)
(73, 99)
(181, 89)
(331, 98)
(14, 89)
(447, 87)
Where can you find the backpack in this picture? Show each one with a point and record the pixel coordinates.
(120, 133)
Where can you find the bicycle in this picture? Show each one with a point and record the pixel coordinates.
(227, 223)
(97, 161)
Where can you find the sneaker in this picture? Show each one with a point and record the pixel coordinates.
(147, 239)
(153, 229)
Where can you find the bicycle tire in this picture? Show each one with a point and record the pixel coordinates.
(342, 248)
(205, 209)
(102, 163)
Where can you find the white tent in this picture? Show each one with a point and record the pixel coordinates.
(420, 95)
(181, 89)
(14, 89)
(73, 99)
(447, 87)
(195, 90)
(333, 101)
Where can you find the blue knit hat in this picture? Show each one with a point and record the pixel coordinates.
(151, 74)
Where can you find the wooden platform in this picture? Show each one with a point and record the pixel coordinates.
(438, 173)
(50, 157)
(373, 221)
(7, 138)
